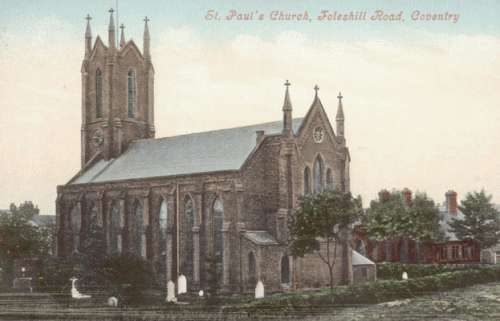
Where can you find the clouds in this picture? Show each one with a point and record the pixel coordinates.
(421, 112)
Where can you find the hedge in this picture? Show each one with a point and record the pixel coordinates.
(394, 271)
(378, 291)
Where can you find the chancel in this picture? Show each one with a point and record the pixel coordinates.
(181, 202)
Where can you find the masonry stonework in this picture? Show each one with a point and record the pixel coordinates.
(146, 182)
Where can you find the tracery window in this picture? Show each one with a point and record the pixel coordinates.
(187, 267)
(218, 224)
(318, 175)
(307, 181)
(115, 236)
(252, 277)
(329, 179)
(132, 94)
(98, 93)
(285, 270)
(76, 225)
(140, 232)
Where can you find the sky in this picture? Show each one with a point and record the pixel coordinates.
(421, 98)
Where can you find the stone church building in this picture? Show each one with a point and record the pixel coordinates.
(222, 196)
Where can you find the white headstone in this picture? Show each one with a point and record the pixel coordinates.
(259, 290)
(75, 294)
(405, 276)
(200, 293)
(182, 284)
(171, 291)
(112, 301)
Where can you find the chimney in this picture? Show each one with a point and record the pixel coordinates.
(260, 136)
(407, 196)
(451, 202)
(384, 195)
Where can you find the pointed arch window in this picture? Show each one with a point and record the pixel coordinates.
(76, 225)
(285, 270)
(163, 228)
(252, 277)
(187, 266)
(98, 93)
(140, 232)
(329, 179)
(132, 93)
(115, 235)
(218, 221)
(307, 180)
(318, 175)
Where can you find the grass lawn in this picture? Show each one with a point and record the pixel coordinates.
(475, 303)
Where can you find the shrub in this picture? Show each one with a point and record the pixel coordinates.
(380, 291)
(394, 271)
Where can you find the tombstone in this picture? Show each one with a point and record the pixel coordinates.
(112, 301)
(405, 276)
(201, 293)
(75, 294)
(171, 292)
(259, 290)
(182, 284)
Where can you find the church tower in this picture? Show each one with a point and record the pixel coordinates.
(117, 94)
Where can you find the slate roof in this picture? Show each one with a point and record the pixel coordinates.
(44, 220)
(260, 237)
(212, 151)
(358, 259)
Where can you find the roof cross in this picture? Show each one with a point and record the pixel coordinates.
(88, 18)
(146, 19)
(287, 83)
(316, 88)
(340, 96)
(111, 10)
(122, 26)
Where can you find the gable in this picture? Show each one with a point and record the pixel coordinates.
(131, 48)
(316, 116)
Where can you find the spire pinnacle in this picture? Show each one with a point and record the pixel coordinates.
(340, 110)
(287, 104)
(111, 20)
(146, 40)
(88, 33)
(122, 38)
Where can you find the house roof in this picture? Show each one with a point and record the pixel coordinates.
(260, 237)
(446, 219)
(212, 151)
(44, 220)
(358, 259)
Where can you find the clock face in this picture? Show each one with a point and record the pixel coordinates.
(98, 137)
(318, 134)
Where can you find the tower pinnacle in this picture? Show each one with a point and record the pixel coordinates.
(111, 30)
(122, 37)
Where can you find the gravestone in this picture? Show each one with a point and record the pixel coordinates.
(182, 284)
(112, 301)
(201, 293)
(75, 294)
(259, 290)
(171, 292)
(405, 276)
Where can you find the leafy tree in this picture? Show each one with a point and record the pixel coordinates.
(390, 217)
(19, 237)
(480, 220)
(320, 224)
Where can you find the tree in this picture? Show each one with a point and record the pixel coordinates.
(19, 237)
(480, 220)
(320, 224)
(393, 217)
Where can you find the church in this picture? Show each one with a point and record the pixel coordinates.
(220, 196)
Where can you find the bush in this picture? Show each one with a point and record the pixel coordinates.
(394, 271)
(380, 291)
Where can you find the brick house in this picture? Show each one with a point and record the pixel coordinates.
(178, 201)
(450, 251)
